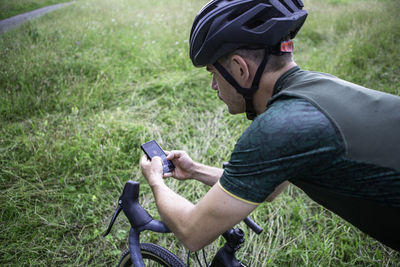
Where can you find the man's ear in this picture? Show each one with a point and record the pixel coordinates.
(240, 71)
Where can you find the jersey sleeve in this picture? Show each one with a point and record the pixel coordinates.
(291, 139)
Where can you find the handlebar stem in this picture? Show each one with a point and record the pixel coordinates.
(226, 255)
(234, 238)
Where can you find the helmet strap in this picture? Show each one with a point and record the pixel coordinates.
(247, 93)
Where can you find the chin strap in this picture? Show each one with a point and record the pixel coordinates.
(247, 93)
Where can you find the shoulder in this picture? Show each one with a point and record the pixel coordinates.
(291, 125)
(291, 138)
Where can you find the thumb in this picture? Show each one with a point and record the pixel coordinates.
(170, 155)
(157, 159)
(167, 175)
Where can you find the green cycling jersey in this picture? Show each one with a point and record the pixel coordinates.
(313, 134)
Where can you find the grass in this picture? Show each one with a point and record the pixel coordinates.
(15, 7)
(82, 87)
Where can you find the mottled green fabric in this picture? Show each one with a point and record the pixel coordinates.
(368, 120)
(293, 140)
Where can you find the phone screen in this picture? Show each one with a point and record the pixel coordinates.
(152, 149)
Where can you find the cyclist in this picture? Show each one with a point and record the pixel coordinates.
(337, 141)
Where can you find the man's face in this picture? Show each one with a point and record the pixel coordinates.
(226, 92)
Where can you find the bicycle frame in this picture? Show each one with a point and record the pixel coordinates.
(141, 220)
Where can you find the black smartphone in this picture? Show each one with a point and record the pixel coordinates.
(152, 149)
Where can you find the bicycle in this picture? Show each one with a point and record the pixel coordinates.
(156, 255)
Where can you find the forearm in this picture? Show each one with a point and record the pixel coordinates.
(174, 210)
(198, 225)
(206, 174)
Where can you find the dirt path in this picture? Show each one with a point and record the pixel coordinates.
(12, 22)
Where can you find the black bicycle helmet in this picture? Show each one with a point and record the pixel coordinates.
(225, 25)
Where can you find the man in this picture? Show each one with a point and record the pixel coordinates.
(338, 142)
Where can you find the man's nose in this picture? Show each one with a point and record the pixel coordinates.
(214, 84)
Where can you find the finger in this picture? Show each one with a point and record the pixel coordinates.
(170, 155)
(167, 175)
(144, 159)
(157, 159)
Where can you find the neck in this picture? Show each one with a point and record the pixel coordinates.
(267, 84)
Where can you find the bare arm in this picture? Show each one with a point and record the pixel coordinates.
(278, 190)
(206, 174)
(200, 224)
(195, 225)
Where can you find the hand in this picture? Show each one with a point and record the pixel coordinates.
(184, 165)
(152, 169)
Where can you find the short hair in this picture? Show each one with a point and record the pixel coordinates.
(256, 55)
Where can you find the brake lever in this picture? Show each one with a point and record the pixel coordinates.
(114, 217)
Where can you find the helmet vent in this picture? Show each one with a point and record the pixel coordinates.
(261, 18)
(283, 2)
(233, 16)
(299, 4)
(254, 23)
(239, 11)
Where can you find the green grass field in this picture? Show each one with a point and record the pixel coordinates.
(82, 87)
